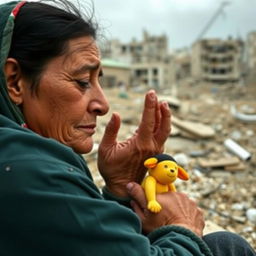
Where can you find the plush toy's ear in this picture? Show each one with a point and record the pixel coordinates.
(182, 174)
(151, 162)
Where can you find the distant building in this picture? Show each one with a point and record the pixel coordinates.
(217, 60)
(181, 64)
(148, 58)
(251, 51)
(250, 56)
(116, 73)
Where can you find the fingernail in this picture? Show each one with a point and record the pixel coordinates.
(129, 186)
(152, 95)
(112, 119)
(166, 105)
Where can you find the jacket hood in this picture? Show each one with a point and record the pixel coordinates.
(8, 13)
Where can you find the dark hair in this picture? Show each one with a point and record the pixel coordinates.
(41, 32)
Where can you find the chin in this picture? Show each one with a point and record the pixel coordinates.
(83, 148)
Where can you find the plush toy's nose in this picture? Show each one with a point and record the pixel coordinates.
(172, 170)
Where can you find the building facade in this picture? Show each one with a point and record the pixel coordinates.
(250, 57)
(217, 60)
(251, 51)
(116, 73)
(149, 59)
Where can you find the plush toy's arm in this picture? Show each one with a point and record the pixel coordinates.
(150, 191)
(150, 188)
(172, 187)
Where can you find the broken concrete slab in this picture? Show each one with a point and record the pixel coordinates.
(221, 162)
(197, 129)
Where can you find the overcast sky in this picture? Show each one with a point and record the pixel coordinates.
(181, 20)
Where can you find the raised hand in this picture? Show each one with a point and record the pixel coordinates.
(122, 162)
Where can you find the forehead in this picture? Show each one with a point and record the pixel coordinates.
(82, 50)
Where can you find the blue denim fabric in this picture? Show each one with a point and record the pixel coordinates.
(228, 244)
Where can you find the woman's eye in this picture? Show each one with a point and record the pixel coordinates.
(83, 84)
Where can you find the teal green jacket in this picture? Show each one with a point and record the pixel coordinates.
(51, 207)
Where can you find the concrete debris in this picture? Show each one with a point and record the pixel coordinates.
(182, 159)
(173, 102)
(222, 182)
(241, 116)
(235, 167)
(196, 129)
(220, 162)
(211, 227)
(251, 215)
(235, 148)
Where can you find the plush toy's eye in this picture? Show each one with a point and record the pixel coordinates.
(166, 166)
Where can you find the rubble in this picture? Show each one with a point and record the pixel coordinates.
(235, 148)
(251, 215)
(219, 162)
(194, 129)
(242, 116)
(222, 183)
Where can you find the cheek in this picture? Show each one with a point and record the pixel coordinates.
(67, 106)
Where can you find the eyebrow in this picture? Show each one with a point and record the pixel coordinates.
(85, 68)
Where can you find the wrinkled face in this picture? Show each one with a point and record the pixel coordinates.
(69, 97)
(165, 172)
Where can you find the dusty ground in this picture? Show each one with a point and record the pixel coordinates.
(226, 196)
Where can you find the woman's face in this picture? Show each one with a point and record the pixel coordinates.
(69, 97)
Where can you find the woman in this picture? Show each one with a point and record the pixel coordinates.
(50, 98)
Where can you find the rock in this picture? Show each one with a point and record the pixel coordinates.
(197, 129)
(211, 227)
(237, 206)
(221, 162)
(251, 215)
(236, 135)
(182, 159)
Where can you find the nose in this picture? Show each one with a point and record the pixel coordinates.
(99, 103)
(172, 171)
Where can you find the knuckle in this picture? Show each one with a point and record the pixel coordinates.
(201, 212)
(136, 190)
(168, 129)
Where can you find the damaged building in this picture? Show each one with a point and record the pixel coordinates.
(149, 59)
(250, 57)
(217, 60)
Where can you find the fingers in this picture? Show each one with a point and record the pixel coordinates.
(138, 210)
(156, 120)
(111, 131)
(147, 125)
(183, 211)
(137, 194)
(157, 117)
(164, 130)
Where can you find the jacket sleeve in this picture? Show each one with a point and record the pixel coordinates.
(54, 208)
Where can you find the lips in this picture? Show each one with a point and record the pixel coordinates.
(89, 128)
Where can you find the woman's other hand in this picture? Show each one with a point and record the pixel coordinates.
(122, 162)
(177, 209)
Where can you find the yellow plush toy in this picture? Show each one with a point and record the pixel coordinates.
(163, 170)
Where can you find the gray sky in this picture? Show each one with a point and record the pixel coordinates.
(181, 20)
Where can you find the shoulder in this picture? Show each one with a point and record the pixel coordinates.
(28, 157)
(23, 144)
